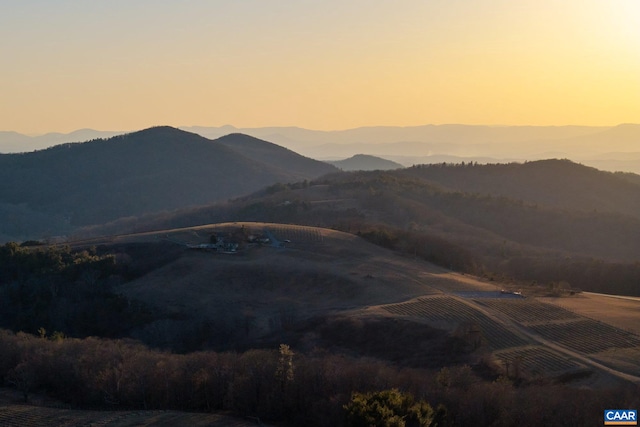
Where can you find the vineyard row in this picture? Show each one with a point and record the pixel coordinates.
(537, 360)
(451, 310)
(587, 336)
(527, 310)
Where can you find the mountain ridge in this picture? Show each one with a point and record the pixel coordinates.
(283, 158)
(592, 145)
(155, 169)
(558, 183)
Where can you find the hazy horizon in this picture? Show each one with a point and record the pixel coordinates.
(324, 66)
(371, 126)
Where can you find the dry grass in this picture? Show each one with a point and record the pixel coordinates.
(622, 313)
(322, 271)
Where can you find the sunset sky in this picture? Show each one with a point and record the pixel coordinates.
(130, 64)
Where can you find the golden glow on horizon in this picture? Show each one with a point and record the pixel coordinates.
(130, 65)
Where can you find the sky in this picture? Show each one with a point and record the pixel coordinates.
(327, 65)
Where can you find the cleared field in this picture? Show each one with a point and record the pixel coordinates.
(453, 311)
(528, 311)
(587, 336)
(537, 360)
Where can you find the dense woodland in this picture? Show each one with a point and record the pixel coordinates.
(68, 292)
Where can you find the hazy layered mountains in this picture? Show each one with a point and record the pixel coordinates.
(13, 142)
(612, 148)
(157, 169)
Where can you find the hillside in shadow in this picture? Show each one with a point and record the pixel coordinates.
(554, 183)
(153, 170)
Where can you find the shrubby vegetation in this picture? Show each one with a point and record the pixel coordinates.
(388, 408)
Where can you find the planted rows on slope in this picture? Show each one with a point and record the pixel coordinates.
(537, 360)
(451, 310)
(528, 311)
(587, 336)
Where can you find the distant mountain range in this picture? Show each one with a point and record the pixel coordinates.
(163, 168)
(615, 148)
(13, 142)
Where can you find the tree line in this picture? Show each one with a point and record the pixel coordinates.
(62, 290)
(282, 386)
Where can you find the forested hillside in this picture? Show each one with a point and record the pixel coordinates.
(49, 192)
(553, 183)
(274, 155)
